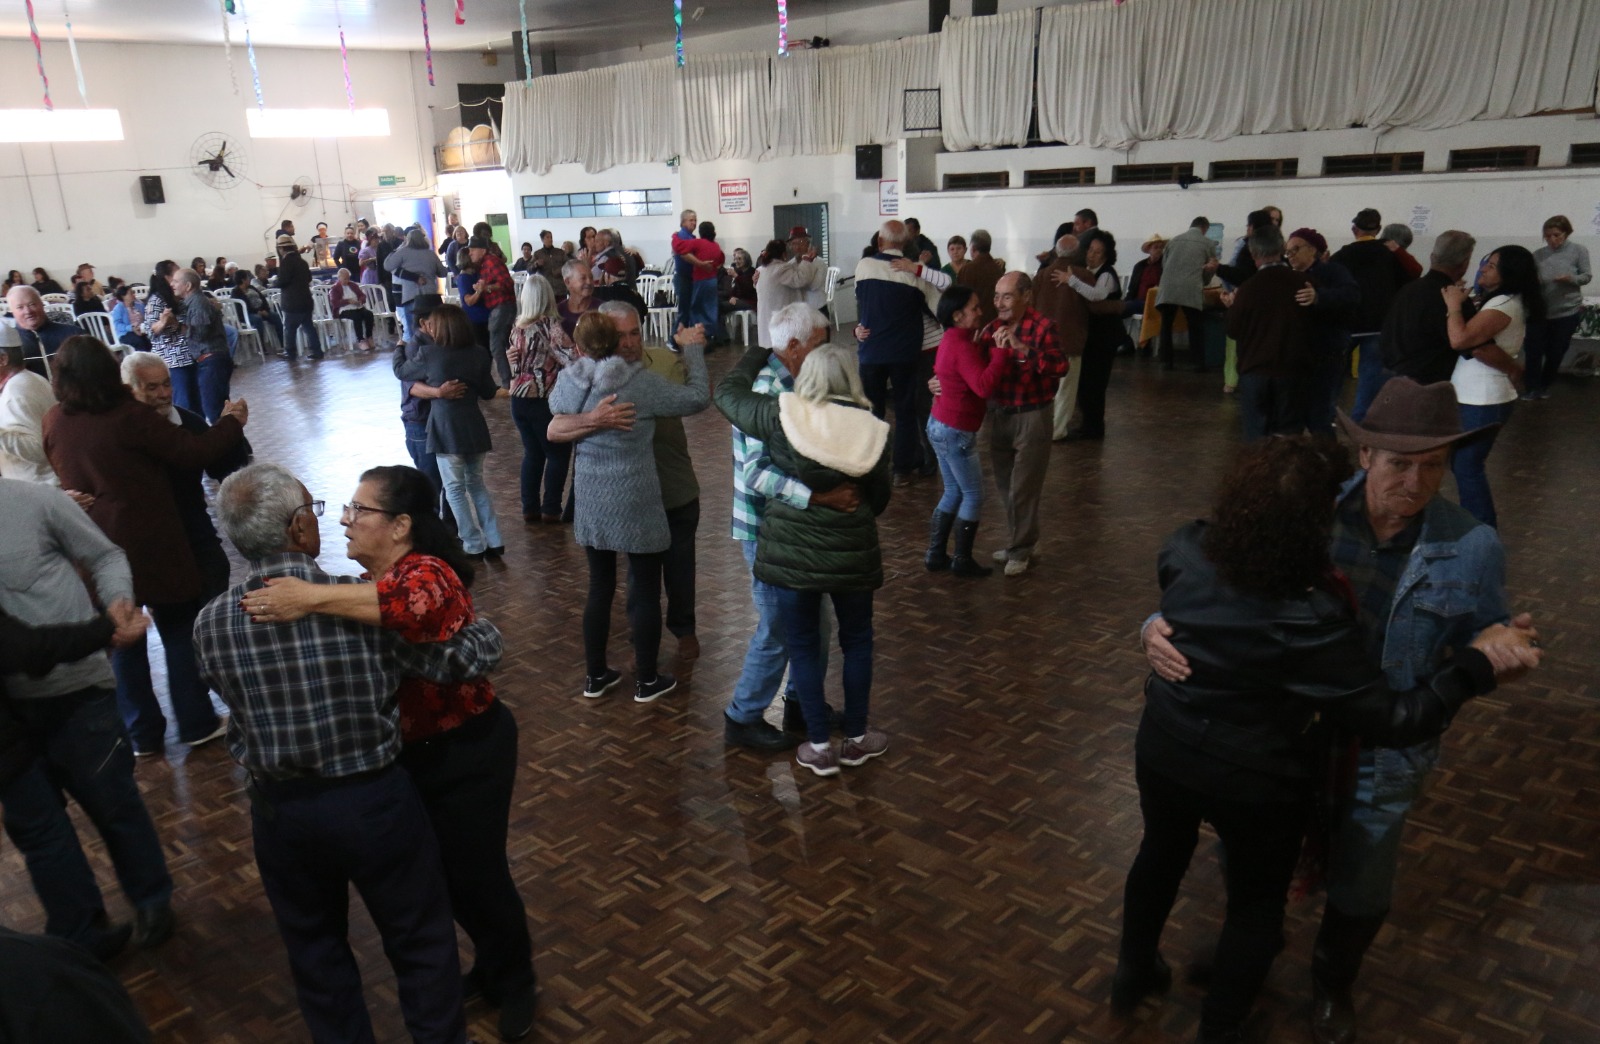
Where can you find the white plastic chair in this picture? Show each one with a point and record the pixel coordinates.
(330, 329)
(99, 324)
(378, 302)
(140, 291)
(236, 315)
(830, 284)
(57, 299)
(745, 320)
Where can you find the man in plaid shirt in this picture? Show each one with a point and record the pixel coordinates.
(500, 297)
(316, 723)
(1019, 418)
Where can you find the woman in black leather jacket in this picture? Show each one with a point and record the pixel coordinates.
(1270, 631)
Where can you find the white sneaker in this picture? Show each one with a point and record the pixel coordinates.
(1016, 566)
(1001, 555)
(220, 731)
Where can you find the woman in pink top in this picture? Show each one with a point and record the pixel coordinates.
(966, 379)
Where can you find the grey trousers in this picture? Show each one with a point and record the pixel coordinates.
(1019, 450)
(500, 320)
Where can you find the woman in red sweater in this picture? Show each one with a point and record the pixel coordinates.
(966, 379)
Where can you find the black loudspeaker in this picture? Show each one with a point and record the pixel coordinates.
(869, 162)
(150, 185)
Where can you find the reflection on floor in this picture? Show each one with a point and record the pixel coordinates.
(966, 886)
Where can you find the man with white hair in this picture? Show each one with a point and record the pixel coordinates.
(891, 304)
(41, 335)
(25, 397)
(683, 271)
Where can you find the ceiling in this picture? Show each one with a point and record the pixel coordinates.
(566, 26)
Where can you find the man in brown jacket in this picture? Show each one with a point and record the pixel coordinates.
(981, 273)
(1066, 307)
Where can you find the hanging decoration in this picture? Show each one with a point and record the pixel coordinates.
(255, 70)
(344, 56)
(783, 27)
(38, 54)
(427, 45)
(677, 18)
(527, 57)
(227, 43)
(461, 12)
(72, 46)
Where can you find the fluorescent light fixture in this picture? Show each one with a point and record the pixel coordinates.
(60, 125)
(318, 123)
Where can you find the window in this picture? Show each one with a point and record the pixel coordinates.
(1585, 154)
(1150, 173)
(1373, 163)
(981, 179)
(1512, 157)
(619, 203)
(1058, 176)
(1254, 170)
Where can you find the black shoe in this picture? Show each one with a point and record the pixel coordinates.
(757, 735)
(471, 985)
(963, 564)
(660, 685)
(594, 687)
(111, 940)
(516, 1013)
(937, 557)
(154, 926)
(1079, 435)
(1133, 984)
(1333, 1014)
(496, 552)
(794, 719)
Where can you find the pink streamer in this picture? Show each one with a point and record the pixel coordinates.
(344, 57)
(461, 12)
(427, 45)
(38, 54)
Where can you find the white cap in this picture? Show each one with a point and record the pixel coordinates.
(9, 337)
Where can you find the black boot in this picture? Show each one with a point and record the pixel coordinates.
(794, 719)
(1136, 980)
(963, 564)
(938, 556)
(1341, 943)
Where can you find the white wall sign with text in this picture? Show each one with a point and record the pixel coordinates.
(1421, 219)
(888, 199)
(733, 197)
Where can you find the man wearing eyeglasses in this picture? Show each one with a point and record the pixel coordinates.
(316, 723)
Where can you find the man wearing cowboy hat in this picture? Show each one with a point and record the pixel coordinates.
(1427, 577)
(1057, 301)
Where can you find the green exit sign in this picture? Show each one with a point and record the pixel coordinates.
(390, 180)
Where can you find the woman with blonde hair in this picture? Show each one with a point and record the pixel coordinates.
(539, 350)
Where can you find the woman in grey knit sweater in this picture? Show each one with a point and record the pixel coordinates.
(618, 495)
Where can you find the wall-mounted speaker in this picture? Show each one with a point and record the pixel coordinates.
(869, 162)
(150, 186)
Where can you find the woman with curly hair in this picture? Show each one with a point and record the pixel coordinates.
(1270, 630)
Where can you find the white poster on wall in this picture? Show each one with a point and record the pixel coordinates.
(1421, 219)
(888, 199)
(733, 197)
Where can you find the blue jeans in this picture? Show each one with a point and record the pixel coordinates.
(1370, 374)
(136, 697)
(703, 307)
(1472, 481)
(214, 372)
(544, 463)
(186, 387)
(957, 451)
(469, 500)
(1366, 845)
(293, 322)
(85, 755)
(768, 655)
(802, 620)
(427, 463)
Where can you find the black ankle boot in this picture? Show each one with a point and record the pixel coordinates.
(1136, 980)
(963, 564)
(1342, 942)
(938, 557)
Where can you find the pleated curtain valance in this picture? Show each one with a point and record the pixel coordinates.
(1100, 74)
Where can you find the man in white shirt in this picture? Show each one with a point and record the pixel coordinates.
(24, 399)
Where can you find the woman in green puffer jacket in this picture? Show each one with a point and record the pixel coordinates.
(824, 435)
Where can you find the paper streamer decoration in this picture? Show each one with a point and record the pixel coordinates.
(344, 56)
(38, 54)
(227, 45)
(527, 58)
(461, 12)
(783, 27)
(255, 70)
(72, 46)
(427, 45)
(677, 18)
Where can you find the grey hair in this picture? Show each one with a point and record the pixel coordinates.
(689, 213)
(794, 323)
(1066, 251)
(831, 372)
(417, 238)
(535, 300)
(133, 362)
(980, 241)
(619, 310)
(1452, 249)
(188, 277)
(572, 266)
(892, 233)
(1266, 241)
(256, 505)
(1396, 233)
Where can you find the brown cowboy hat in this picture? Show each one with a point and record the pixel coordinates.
(1408, 417)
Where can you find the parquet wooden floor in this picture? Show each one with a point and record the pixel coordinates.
(965, 887)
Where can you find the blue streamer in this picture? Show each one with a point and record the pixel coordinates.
(255, 71)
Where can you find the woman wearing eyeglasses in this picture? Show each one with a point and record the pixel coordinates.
(460, 742)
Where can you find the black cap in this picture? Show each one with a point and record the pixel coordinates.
(1368, 220)
(424, 305)
(479, 243)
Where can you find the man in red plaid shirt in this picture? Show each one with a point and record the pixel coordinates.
(500, 297)
(1019, 411)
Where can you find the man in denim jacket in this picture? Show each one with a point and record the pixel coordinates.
(1427, 577)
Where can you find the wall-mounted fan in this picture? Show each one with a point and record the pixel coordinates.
(217, 160)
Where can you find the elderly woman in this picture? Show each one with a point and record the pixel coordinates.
(618, 507)
(127, 319)
(824, 435)
(163, 324)
(1271, 632)
(346, 300)
(539, 350)
(957, 249)
(104, 443)
(580, 297)
(1564, 271)
(460, 742)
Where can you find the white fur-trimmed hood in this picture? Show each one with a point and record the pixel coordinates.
(847, 439)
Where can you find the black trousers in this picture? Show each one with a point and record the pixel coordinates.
(465, 778)
(1197, 344)
(930, 460)
(644, 610)
(1095, 378)
(1263, 844)
(880, 380)
(677, 567)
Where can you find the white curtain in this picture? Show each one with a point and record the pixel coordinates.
(644, 112)
(800, 125)
(726, 107)
(549, 121)
(986, 79)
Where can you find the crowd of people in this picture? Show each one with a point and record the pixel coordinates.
(404, 786)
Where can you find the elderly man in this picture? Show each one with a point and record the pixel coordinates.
(329, 806)
(25, 397)
(782, 283)
(1189, 259)
(891, 303)
(45, 542)
(1269, 325)
(683, 271)
(41, 335)
(498, 293)
(1403, 548)
(1058, 301)
(206, 334)
(1416, 335)
(1379, 275)
(802, 249)
(981, 272)
(1331, 298)
(294, 283)
(1019, 418)
(548, 260)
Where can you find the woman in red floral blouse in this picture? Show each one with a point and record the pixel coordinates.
(460, 742)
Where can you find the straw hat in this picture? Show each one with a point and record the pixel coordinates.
(1151, 240)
